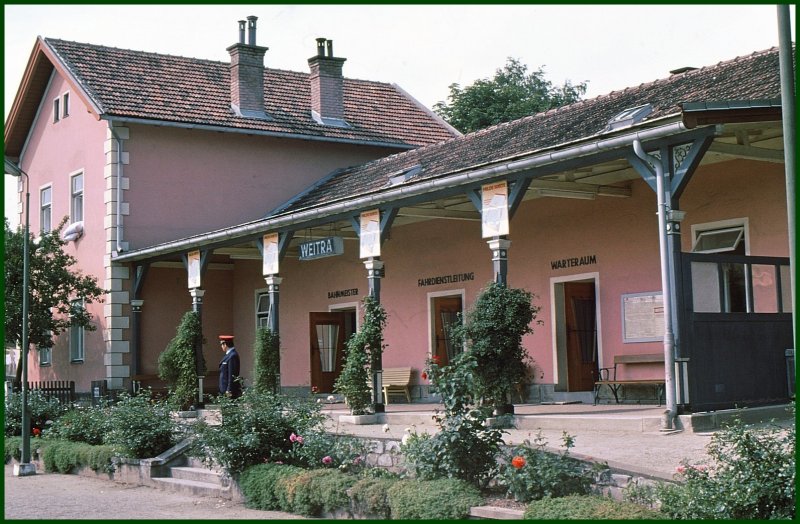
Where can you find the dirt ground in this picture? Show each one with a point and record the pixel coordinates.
(55, 496)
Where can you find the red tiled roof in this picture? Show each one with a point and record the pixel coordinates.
(753, 77)
(136, 84)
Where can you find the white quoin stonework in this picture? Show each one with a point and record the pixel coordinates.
(116, 309)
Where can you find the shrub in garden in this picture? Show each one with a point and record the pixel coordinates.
(464, 447)
(314, 492)
(177, 364)
(255, 428)
(141, 427)
(370, 496)
(531, 473)
(63, 456)
(12, 449)
(40, 409)
(588, 507)
(432, 499)
(751, 476)
(266, 373)
(493, 331)
(258, 484)
(317, 449)
(81, 424)
(361, 356)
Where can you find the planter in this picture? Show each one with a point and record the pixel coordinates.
(359, 420)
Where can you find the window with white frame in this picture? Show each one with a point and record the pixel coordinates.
(56, 110)
(728, 237)
(262, 310)
(76, 338)
(65, 105)
(76, 197)
(46, 209)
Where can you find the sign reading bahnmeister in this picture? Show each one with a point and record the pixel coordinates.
(321, 248)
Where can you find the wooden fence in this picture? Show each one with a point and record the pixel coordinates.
(62, 390)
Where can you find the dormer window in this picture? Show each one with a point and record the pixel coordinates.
(628, 117)
(405, 175)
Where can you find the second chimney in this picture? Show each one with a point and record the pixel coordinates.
(327, 85)
(247, 73)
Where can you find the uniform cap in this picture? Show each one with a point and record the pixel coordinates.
(226, 338)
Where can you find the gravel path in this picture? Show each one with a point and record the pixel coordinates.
(56, 496)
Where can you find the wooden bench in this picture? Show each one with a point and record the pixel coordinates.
(608, 376)
(395, 380)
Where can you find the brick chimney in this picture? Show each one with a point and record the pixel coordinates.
(247, 73)
(327, 85)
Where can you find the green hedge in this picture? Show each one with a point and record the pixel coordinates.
(63, 456)
(588, 507)
(432, 499)
(319, 492)
(258, 484)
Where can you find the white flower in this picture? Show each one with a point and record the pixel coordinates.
(405, 438)
(408, 430)
(386, 428)
(331, 398)
(319, 401)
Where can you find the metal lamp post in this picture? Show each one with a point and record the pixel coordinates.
(25, 467)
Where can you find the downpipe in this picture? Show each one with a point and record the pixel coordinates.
(667, 422)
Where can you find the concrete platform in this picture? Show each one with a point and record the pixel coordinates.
(628, 437)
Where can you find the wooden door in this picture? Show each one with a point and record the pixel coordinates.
(581, 324)
(327, 332)
(445, 315)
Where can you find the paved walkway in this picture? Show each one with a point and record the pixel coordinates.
(55, 496)
(646, 452)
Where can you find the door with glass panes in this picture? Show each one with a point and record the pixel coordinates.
(327, 333)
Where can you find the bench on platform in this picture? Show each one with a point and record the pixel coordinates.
(609, 377)
(159, 388)
(395, 381)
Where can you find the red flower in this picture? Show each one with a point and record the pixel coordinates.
(314, 389)
(37, 432)
(424, 376)
(436, 359)
(518, 462)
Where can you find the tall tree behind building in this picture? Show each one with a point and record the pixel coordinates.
(513, 93)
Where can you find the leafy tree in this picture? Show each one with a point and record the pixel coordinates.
(59, 292)
(513, 93)
(267, 362)
(177, 365)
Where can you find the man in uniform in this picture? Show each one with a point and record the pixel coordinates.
(229, 383)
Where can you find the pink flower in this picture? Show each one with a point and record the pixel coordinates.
(680, 470)
(292, 438)
(299, 439)
(327, 459)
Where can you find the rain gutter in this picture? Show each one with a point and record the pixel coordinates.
(426, 187)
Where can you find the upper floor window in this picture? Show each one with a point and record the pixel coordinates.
(46, 209)
(76, 338)
(61, 107)
(76, 198)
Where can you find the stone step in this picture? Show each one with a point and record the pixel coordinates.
(189, 487)
(194, 473)
(578, 422)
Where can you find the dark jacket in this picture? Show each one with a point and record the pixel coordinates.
(229, 375)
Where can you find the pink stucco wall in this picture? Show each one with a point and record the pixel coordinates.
(184, 182)
(621, 233)
(53, 152)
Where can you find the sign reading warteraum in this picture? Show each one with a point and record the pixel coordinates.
(573, 262)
